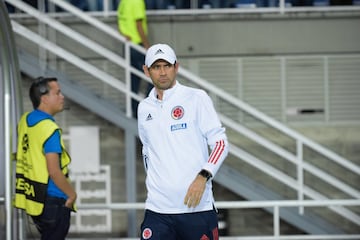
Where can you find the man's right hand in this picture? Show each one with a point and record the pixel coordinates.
(70, 202)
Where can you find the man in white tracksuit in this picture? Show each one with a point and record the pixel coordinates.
(177, 125)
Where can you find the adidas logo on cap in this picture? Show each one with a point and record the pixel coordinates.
(159, 51)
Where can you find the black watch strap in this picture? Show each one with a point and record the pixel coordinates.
(205, 174)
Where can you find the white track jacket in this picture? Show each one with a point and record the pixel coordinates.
(176, 134)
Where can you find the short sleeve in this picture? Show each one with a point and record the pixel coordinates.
(52, 145)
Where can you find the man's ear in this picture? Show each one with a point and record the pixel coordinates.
(43, 98)
(146, 70)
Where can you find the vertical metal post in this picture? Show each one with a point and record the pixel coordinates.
(194, 4)
(128, 78)
(283, 89)
(326, 89)
(130, 167)
(106, 8)
(300, 173)
(42, 30)
(276, 222)
(2, 139)
(11, 108)
(7, 152)
(282, 6)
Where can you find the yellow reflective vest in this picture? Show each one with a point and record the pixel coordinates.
(31, 169)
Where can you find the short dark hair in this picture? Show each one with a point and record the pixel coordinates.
(38, 88)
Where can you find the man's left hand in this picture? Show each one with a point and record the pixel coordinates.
(195, 192)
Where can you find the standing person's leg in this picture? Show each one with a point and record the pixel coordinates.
(82, 5)
(182, 4)
(195, 226)
(54, 222)
(137, 61)
(163, 4)
(150, 4)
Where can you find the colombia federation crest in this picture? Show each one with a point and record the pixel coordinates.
(177, 112)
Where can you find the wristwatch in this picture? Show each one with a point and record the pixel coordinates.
(205, 174)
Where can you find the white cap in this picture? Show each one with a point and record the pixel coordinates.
(159, 51)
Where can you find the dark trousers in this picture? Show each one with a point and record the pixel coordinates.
(189, 226)
(137, 61)
(54, 222)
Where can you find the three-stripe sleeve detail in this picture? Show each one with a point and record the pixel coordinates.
(217, 151)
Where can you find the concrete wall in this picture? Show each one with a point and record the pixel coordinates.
(238, 34)
(243, 34)
(258, 34)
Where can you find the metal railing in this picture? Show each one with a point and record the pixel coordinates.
(275, 205)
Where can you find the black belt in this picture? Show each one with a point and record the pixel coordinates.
(55, 200)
